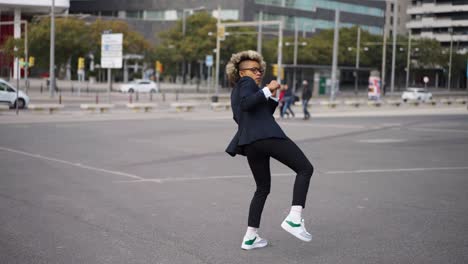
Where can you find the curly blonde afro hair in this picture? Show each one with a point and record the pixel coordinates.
(232, 68)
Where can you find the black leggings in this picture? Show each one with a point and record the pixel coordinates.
(285, 151)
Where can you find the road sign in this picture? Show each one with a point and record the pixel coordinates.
(111, 50)
(209, 60)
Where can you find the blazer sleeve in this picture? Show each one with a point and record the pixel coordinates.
(250, 95)
(272, 104)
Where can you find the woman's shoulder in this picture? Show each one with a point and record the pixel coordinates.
(245, 80)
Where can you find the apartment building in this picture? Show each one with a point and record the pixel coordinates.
(443, 20)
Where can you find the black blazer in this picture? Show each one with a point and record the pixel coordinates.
(253, 114)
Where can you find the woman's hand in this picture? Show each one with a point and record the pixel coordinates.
(273, 86)
(274, 93)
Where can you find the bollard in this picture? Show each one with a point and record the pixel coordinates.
(151, 97)
(87, 87)
(97, 98)
(177, 95)
(164, 97)
(41, 87)
(130, 98)
(72, 89)
(60, 97)
(136, 97)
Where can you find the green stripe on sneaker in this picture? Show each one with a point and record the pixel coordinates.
(250, 242)
(292, 224)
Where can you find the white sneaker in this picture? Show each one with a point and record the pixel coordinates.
(256, 242)
(296, 229)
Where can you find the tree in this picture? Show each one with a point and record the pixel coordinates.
(176, 48)
(133, 42)
(74, 38)
(71, 40)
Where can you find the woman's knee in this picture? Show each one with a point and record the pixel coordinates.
(308, 170)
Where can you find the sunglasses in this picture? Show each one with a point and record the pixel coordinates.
(254, 70)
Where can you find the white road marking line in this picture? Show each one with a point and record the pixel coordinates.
(291, 174)
(395, 170)
(382, 140)
(437, 130)
(138, 179)
(182, 179)
(79, 165)
(323, 125)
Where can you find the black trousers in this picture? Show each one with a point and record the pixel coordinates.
(285, 151)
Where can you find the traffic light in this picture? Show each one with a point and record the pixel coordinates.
(81, 63)
(275, 69)
(31, 61)
(159, 66)
(221, 32)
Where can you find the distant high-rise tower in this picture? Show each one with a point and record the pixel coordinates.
(402, 16)
(443, 20)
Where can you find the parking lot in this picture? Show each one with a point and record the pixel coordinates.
(160, 189)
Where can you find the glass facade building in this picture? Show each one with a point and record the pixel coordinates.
(310, 15)
(313, 15)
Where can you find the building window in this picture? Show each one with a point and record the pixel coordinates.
(162, 15)
(227, 14)
(135, 14)
(309, 5)
(309, 24)
(155, 15)
(109, 13)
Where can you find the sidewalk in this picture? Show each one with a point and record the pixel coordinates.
(102, 87)
(204, 112)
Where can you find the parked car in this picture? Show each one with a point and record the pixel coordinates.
(141, 86)
(419, 94)
(8, 95)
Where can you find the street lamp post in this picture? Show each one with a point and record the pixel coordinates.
(259, 35)
(395, 18)
(335, 56)
(52, 51)
(304, 32)
(358, 46)
(295, 56)
(296, 43)
(15, 49)
(408, 58)
(450, 59)
(184, 18)
(218, 48)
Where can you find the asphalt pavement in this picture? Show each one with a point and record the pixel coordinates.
(389, 187)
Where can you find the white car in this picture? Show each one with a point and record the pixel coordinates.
(419, 94)
(141, 86)
(8, 95)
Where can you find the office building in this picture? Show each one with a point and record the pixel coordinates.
(150, 17)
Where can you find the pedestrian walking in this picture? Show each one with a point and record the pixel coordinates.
(281, 102)
(288, 101)
(259, 138)
(306, 95)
